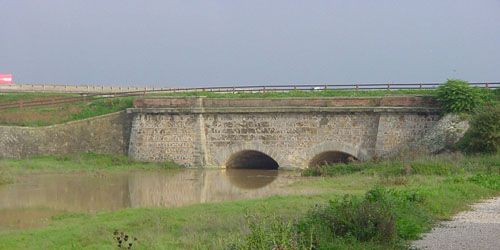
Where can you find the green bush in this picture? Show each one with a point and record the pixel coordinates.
(366, 219)
(483, 135)
(457, 96)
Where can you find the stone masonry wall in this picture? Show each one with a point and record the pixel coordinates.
(397, 132)
(207, 132)
(159, 137)
(292, 139)
(108, 134)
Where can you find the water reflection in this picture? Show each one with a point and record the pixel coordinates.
(84, 192)
(251, 178)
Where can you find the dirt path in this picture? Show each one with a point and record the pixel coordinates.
(475, 229)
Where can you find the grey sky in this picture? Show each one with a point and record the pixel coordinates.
(194, 43)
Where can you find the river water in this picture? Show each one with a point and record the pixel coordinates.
(33, 199)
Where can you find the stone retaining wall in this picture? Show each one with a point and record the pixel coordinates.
(108, 134)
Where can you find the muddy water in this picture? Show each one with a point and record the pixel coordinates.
(33, 199)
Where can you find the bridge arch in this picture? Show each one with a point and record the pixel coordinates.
(331, 152)
(251, 159)
(330, 157)
(224, 157)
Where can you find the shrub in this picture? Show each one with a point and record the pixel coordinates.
(366, 219)
(483, 135)
(458, 96)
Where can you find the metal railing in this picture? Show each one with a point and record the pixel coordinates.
(86, 89)
(315, 87)
(112, 92)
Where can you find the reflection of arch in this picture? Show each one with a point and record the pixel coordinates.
(251, 159)
(330, 157)
(335, 146)
(251, 178)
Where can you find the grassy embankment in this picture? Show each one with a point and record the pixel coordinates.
(49, 115)
(416, 193)
(77, 162)
(55, 114)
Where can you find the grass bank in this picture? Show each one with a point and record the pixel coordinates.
(14, 97)
(410, 201)
(76, 162)
(49, 115)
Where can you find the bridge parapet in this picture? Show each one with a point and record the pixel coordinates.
(269, 105)
(184, 102)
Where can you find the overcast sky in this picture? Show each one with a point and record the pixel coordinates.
(231, 42)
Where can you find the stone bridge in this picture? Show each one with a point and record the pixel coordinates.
(288, 133)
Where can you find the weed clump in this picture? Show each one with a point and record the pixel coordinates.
(123, 240)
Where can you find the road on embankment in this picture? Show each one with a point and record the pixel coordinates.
(478, 228)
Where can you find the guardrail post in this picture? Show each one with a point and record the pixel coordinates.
(357, 87)
(264, 89)
(420, 86)
(388, 86)
(486, 85)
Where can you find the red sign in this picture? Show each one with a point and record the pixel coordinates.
(5, 78)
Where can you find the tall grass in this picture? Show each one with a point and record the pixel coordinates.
(444, 164)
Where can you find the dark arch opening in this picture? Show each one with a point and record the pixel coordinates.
(330, 158)
(251, 159)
